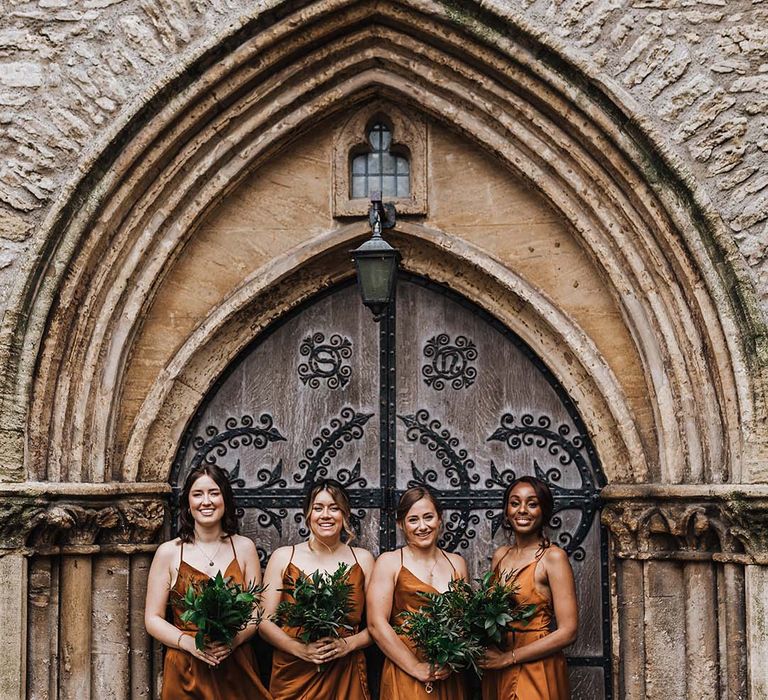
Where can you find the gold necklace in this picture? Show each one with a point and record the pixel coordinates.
(431, 572)
(205, 554)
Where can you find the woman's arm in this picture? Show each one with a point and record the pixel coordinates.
(272, 633)
(251, 568)
(361, 640)
(460, 565)
(560, 579)
(158, 590)
(379, 606)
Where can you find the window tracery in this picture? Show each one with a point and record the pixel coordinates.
(380, 148)
(381, 169)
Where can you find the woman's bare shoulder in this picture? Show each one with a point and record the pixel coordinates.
(388, 560)
(456, 559)
(555, 556)
(168, 550)
(282, 554)
(365, 558)
(244, 544)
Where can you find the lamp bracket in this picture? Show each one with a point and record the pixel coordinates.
(381, 213)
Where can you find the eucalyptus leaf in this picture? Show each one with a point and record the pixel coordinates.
(318, 604)
(454, 628)
(220, 608)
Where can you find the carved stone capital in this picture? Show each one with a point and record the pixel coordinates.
(98, 515)
(687, 521)
(749, 520)
(88, 523)
(137, 522)
(18, 517)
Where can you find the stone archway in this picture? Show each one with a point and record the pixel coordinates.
(88, 403)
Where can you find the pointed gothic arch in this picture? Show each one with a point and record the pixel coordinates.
(69, 341)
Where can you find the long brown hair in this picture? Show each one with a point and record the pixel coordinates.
(413, 495)
(186, 522)
(546, 502)
(340, 497)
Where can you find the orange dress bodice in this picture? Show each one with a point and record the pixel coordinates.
(185, 677)
(543, 679)
(396, 684)
(295, 679)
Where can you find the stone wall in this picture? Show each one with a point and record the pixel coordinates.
(72, 71)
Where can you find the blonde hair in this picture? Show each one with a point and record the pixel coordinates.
(340, 497)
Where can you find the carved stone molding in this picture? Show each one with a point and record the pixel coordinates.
(723, 523)
(84, 523)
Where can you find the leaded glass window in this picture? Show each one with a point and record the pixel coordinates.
(379, 169)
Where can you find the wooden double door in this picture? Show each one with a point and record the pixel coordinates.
(438, 393)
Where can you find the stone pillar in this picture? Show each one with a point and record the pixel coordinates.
(757, 631)
(701, 630)
(665, 646)
(79, 540)
(110, 675)
(690, 546)
(631, 605)
(43, 621)
(75, 621)
(13, 623)
(141, 642)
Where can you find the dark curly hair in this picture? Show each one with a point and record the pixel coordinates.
(546, 502)
(186, 522)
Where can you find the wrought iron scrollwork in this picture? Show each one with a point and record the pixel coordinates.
(325, 360)
(449, 362)
(454, 459)
(236, 434)
(352, 477)
(559, 443)
(325, 446)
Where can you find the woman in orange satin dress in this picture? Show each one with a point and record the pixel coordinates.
(208, 528)
(294, 664)
(398, 579)
(531, 664)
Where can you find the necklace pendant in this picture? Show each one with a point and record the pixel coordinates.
(210, 563)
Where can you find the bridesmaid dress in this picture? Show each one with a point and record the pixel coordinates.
(543, 679)
(296, 679)
(185, 677)
(396, 684)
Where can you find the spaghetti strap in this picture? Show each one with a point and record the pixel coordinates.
(234, 551)
(498, 563)
(401, 557)
(181, 555)
(449, 560)
(352, 549)
(293, 551)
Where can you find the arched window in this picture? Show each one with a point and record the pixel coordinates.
(379, 169)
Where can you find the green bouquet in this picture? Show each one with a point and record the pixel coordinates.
(439, 632)
(491, 608)
(454, 628)
(319, 607)
(220, 609)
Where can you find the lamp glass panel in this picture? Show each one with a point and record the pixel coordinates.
(376, 274)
